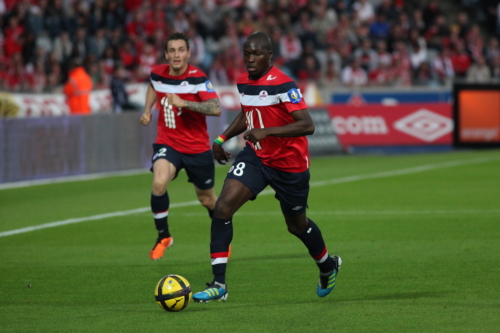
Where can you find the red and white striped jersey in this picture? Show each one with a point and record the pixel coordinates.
(268, 102)
(181, 128)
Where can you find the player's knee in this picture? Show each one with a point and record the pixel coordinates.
(294, 229)
(223, 210)
(296, 225)
(207, 201)
(159, 187)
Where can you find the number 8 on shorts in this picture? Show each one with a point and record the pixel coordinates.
(238, 171)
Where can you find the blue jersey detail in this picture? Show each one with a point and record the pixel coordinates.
(294, 96)
(209, 86)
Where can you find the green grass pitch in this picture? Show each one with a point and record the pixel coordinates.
(419, 236)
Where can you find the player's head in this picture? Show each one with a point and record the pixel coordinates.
(257, 54)
(177, 52)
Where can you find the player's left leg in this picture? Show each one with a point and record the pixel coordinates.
(292, 190)
(309, 233)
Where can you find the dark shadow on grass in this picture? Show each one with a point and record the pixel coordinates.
(301, 255)
(395, 296)
(408, 295)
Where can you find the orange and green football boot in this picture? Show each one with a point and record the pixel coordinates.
(160, 247)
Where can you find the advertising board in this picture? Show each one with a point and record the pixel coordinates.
(379, 125)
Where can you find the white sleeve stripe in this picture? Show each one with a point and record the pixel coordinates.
(255, 100)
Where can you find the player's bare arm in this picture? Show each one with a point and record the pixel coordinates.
(303, 125)
(210, 107)
(150, 101)
(237, 127)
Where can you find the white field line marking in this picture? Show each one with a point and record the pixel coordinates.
(90, 218)
(99, 175)
(366, 212)
(347, 179)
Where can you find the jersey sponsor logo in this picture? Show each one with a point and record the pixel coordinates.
(263, 94)
(294, 96)
(210, 87)
(192, 72)
(270, 77)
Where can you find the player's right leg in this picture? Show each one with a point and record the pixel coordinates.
(234, 194)
(243, 182)
(163, 172)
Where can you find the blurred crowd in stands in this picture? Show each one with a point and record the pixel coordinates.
(335, 43)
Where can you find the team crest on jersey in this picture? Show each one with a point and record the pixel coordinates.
(263, 94)
(209, 86)
(294, 96)
(184, 83)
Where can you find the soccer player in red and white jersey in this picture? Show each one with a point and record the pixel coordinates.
(186, 97)
(275, 120)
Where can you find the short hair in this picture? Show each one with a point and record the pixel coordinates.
(176, 36)
(263, 40)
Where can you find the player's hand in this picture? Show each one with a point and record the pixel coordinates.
(175, 100)
(255, 135)
(146, 118)
(220, 155)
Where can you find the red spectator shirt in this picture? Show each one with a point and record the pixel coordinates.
(269, 102)
(181, 128)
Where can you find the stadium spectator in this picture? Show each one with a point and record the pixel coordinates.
(388, 10)
(423, 76)
(418, 55)
(417, 21)
(461, 60)
(383, 56)
(77, 88)
(324, 20)
(290, 47)
(119, 94)
(495, 70)
(354, 75)
(217, 73)
(492, 51)
(479, 72)
(199, 57)
(442, 67)
(380, 75)
(438, 31)
(330, 77)
(364, 11)
(431, 12)
(366, 55)
(379, 29)
(63, 47)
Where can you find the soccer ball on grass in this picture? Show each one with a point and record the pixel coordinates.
(173, 293)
